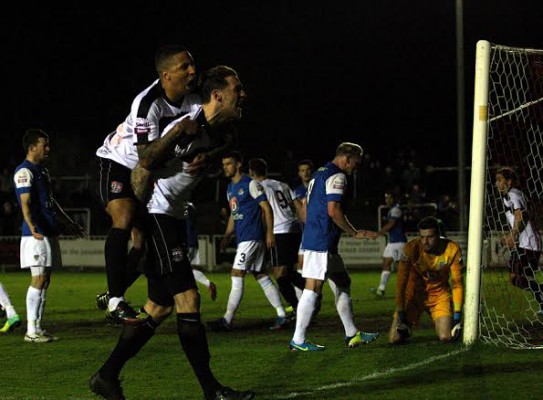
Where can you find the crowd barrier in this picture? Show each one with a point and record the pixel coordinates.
(89, 253)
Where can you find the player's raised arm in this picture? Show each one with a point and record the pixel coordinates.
(152, 154)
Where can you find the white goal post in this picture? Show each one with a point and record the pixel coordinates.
(507, 132)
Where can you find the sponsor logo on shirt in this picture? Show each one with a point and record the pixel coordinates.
(177, 254)
(22, 179)
(142, 127)
(237, 216)
(240, 192)
(338, 184)
(116, 187)
(234, 204)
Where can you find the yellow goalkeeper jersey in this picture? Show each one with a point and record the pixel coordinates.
(434, 269)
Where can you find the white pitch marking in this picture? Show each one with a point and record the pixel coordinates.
(374, 375)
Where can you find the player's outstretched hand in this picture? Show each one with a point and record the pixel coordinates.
(224, 242)
(197, 164)
(403, 327)
(456, 331)
(457, 326)
(363, 234)
(403, 330)
(508, 241)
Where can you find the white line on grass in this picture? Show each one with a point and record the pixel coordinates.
(373, 375)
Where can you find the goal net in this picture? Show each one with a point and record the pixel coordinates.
(502, 308)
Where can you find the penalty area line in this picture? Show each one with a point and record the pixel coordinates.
(374, 375)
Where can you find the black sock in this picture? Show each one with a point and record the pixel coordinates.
(192, 336)
(287, 290)
(537, 290)
(132, 271)
(296, 278)
(131, 341)
(116, 258)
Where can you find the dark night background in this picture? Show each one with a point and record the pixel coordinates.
(381, 73)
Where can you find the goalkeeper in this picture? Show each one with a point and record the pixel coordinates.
(424, 271)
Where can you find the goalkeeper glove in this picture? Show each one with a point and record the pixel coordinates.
(457, 326)
(403, 327)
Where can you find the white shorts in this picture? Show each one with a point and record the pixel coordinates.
(317, 264)
(394, 250)
(250, 256)
(194, 255)
(40, 253)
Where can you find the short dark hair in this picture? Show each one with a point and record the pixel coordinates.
(259, 166)
(429, 223)
(164, 54)
(236, 155)
(32, 136)
(507, 173)
(214, 79)
(305, 161)
(432, 223)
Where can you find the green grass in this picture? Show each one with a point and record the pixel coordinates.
(252, 357)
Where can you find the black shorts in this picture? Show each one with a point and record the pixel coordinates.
(286, 248)
(113, 181)
(167, 266)
(524, 262)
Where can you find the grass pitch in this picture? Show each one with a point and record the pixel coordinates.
(251, 356)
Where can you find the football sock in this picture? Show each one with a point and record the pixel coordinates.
(303, 314)
(297, 288)
(33, 301)
(287, 290)
(334, 289)
(192, 336)
(200, 277)
(344, 306)
(131, 341)
(40, 309)
(116, 257)
(384, 279)
(272, 293)
(10, 311)
(296, 278)
(5, 302)
(236, 294)
(537, 290)
(132, 266)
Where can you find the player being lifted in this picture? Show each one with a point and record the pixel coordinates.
(286, 229)
(140, 139)
(170, 282)
(424, 270)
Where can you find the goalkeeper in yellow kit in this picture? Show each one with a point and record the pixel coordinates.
(424, 271)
